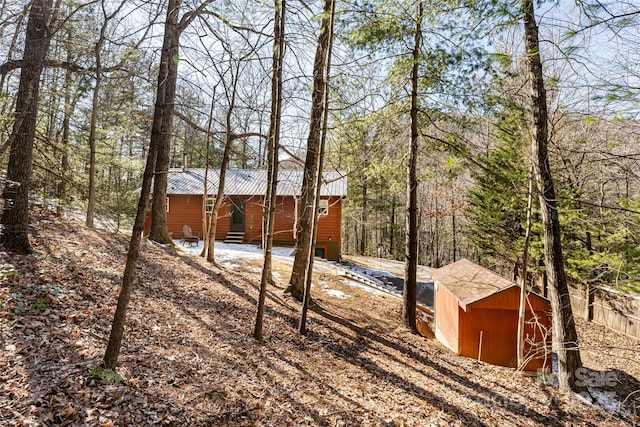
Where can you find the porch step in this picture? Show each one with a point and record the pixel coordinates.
(234, 237)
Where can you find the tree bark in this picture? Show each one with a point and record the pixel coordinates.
(523, 284)
(454, 234)
(91, 204)
(226, 154)
(272, 161)
(69, 107)
(363, 217)
(565, 338)
(15, 216)
(411, 253)
(117, 328)
(205, 191)
(213, 219)
(392, 228)
(163, 121)
(303, 242)
(306, 299)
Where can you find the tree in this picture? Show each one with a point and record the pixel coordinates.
(496, 197)
(273, 141)
(69, 107)
(523, 281)
(163, 120)
(97, 49)
(112, 351)
(15, 216)
(230, 78)
(117, 328)
(317, 185)
(565, 337)
(305, 232)
(164, 110)
(411, 230)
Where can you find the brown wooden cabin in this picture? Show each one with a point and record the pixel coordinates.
(240, 217)
(476, 312)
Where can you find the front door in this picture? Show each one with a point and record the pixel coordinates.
(237, 215)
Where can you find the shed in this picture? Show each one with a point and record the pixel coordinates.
(476, 315)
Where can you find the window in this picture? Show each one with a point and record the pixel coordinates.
(323, 207)
(208, 206)
(150, 204)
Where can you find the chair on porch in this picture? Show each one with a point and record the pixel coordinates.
(188, 236)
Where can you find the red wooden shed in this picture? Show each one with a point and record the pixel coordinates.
(476, 315)
(240, 217)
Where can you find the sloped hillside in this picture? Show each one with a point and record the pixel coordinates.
(188, 358)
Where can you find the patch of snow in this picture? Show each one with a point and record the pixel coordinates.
(225, 252)
(337, 294)
(606, 399)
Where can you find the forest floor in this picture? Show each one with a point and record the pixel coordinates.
(188, 358)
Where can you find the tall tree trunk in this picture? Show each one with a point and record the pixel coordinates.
(435, 248)
(91, 205)
(272, 161)
(363, 216)
(305, 232)
(15, 216)
(205, 189)
(226, 154)
(411, 262)
(117, 328)
(69, 107)
(523, 284)
(163, 121)
(454, 234)
(565, 337)
(213, 219)
(392, 227)
(306, 299)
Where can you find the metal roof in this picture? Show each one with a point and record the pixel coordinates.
(250, 182)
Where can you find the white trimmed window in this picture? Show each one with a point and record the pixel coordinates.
(323, 207)
(150, 204)
(208, 206)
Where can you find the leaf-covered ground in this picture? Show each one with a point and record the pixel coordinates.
(188, 358)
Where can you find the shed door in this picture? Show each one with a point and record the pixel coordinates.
(237, 215)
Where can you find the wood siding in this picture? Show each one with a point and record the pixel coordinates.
(447, 317)
(187, 209)
(510, 298)
(497, 318)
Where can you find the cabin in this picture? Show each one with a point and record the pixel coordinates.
(240, 216)
(476, 315)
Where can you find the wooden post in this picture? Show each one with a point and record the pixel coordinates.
(480, 347)
(588, 310)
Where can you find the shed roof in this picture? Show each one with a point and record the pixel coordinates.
(470, 282)
(250, 182)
